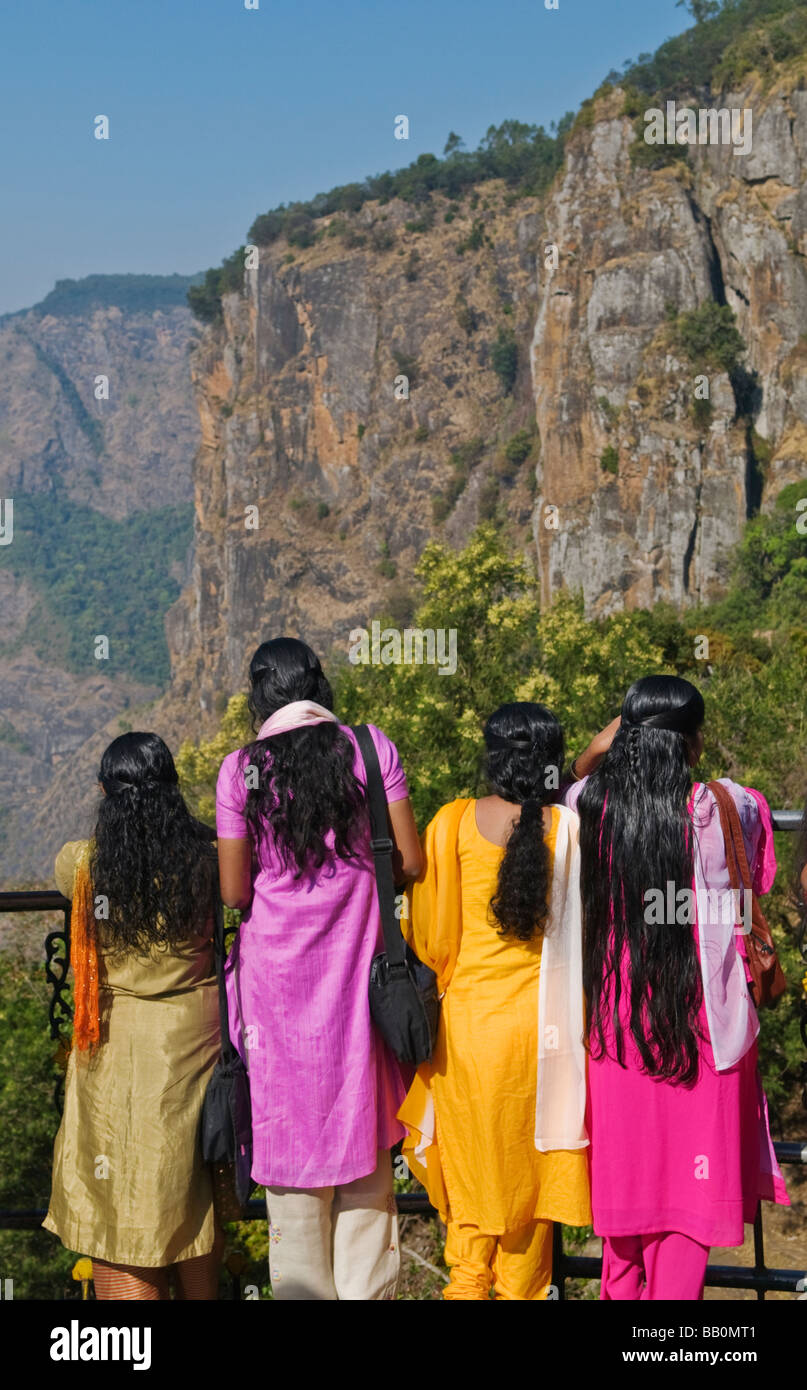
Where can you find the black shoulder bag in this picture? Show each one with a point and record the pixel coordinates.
(404, 1004)
(226, 1110)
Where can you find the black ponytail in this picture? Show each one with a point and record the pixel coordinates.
(524, 756)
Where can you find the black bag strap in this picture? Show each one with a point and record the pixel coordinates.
(228, 1052)
(382, 845)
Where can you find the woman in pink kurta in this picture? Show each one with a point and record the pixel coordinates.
(295, 855)
(679, 1162)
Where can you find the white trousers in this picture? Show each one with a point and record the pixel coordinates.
(335, 1242)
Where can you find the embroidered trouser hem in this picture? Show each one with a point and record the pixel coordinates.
(329, 1243)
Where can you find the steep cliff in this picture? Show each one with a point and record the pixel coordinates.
(633, 242)
(628, 490)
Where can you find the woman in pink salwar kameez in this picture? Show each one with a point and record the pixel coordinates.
(681, 1150)
(295, 857)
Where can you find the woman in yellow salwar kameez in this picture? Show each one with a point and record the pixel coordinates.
(496, 1120)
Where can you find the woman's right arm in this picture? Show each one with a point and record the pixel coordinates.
(589, 760)
(407, 857)
(235, 872)
(234, 842)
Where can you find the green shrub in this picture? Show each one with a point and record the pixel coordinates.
(381, 239)
(519, 447)
(702, 413)
(466, 315)
(708, 336)
(489, 500)
(411, 267)
(611, 412)
(609, 459)
(407, 365)
(475, 239)
(504, 358)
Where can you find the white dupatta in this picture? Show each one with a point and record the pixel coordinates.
(560, 1103)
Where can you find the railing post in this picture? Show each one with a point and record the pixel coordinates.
(759, 1253)
(558, 1276)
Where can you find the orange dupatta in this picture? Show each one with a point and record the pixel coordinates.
(84, 959)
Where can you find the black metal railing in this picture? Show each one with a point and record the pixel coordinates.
(564, 1266)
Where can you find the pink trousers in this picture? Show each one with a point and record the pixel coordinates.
(665, 1265)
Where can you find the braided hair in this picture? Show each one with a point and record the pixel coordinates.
(636, 835)
(524, 744)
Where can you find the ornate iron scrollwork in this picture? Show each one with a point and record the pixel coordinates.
(60, 1012)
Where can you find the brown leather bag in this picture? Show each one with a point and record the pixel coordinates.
(768, 979)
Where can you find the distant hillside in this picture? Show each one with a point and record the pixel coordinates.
(102, 495)
(132, 293)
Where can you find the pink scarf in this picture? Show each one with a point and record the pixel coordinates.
(295, 715)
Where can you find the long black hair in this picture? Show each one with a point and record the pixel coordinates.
(636, 835)
(524, 744)
(306, 783)
(149, 858)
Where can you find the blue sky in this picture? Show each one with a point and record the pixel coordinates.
(218, 113)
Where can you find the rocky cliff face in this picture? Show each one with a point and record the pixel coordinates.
(628, 493)
(632, 242)
(130, 453)
(304, 416)
(410, 373)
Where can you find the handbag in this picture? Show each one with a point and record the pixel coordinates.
(767, 977)
(404, 1003)
(226, 1109)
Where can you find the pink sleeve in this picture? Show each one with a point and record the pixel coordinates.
(763, 869)
(392, 773)
(570, 795)
(231, 796)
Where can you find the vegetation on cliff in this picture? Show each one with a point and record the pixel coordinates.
(729, 39)
(93, 576)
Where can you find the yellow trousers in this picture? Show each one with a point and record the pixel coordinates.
(518, 1264)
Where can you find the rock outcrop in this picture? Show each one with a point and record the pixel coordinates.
(629, 493)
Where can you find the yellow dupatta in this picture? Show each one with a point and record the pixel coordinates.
(432, 925)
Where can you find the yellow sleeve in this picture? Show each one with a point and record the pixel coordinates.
(65, 867)
(433, 924)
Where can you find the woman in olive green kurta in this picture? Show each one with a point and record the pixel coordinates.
(130, 1188)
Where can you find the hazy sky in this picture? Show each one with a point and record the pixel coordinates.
(218, 113)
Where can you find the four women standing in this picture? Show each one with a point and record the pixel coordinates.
(520, 909)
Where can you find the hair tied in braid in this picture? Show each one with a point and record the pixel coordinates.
(523, 741)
